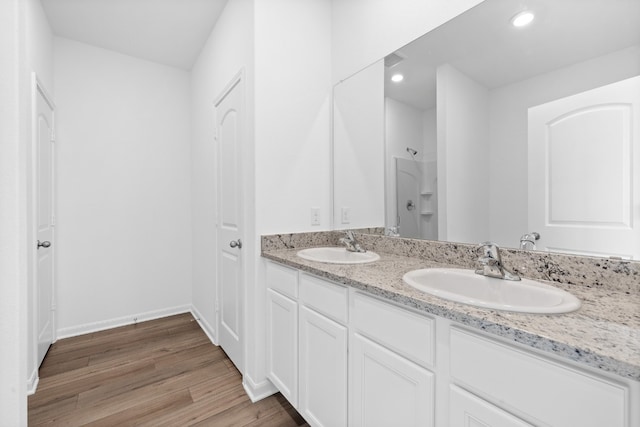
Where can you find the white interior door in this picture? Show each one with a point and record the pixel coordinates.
(43, 154)
(584, 172)
(230, 275)
(408, 182)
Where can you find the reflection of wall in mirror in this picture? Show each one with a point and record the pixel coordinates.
(508, 130)
(463, 156)
(504, 154)
(364, 31)
(358, 162)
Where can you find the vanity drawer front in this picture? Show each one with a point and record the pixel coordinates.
(282, 279)
(324, 297)
(465, 409)
(403, 331)
(536, 388)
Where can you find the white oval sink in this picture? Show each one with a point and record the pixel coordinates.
(334, 255)
(467, 287)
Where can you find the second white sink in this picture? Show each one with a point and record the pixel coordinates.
(337, 255)
(526, 296)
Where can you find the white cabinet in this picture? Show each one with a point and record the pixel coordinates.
(282, 344)
(282, 330)
(389, 350)
(323, 370)
(323, 352)
(307, 344)
(404, 332)
(387, 389)
(533, 387)
(342, 357)
(466, 409)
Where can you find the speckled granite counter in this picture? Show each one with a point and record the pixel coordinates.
(604, 333)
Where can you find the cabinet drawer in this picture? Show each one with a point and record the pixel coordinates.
(465, 409)
(282, 279)
(325, 297)
(405, 332)
(538, 389)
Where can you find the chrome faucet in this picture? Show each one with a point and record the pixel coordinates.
(491, 263)
(349, 240)
(528, 241)
(392, 231)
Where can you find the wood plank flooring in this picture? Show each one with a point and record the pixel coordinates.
(163, 372)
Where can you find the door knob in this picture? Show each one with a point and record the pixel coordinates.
(236, 244)
(44, 244)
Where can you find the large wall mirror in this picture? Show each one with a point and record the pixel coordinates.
(526, 136)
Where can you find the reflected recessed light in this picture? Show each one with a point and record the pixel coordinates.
(522, 19)
(397, 78)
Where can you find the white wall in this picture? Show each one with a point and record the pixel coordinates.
(430, 147)
(358, 149)
(39, 39)
(39, 56)
(293, 92)
(284, 49)
(292, 129)
(228, 50)
(508, 110)
(463, 156)
(13, 214)
(364, 31)
(430, 134)
(123, 168)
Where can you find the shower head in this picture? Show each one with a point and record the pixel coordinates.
(411, 151)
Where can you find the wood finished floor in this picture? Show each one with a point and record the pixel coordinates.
(163, 372)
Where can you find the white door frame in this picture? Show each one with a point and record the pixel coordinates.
(38, 89)
(238, 79)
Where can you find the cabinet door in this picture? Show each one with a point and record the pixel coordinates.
(323, 370)
(468, 410)
(535, 387)
(387, 389)
(282, 344)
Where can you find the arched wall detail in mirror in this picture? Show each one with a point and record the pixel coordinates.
(466, 116)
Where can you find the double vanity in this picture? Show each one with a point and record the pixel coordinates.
(387, 338)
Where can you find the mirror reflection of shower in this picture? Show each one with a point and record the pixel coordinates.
(415, 199)
(411, 154)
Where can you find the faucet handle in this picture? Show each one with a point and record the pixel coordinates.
(489, 251)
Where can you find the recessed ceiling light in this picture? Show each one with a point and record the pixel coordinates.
(522, 19)
(397, 78)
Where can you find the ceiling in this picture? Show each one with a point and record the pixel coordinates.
(170, 32)
(482, 44)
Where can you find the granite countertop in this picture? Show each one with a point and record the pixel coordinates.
(604, 333)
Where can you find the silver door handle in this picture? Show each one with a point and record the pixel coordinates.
(44, 244)
(236, 244)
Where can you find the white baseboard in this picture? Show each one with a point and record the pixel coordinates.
(121, 321)
(205, 325)
(32, 382)
(255, 391)
(258, 391)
